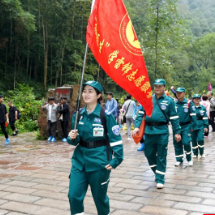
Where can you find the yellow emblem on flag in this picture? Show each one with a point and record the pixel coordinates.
(128, 36)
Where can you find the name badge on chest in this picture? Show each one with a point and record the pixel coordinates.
(98, 132)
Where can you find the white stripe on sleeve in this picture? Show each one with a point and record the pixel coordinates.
(174, 117)
(193, 114)
(116, 143)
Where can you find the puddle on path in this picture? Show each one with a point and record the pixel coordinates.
(25, 153)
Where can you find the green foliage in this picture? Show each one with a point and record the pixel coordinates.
(25, 101)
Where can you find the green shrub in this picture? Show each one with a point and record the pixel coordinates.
(24, 99)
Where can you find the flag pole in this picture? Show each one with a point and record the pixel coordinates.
(82, 78)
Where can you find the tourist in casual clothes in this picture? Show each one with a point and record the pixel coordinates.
(111, 105)
(13, 116)
(51, 108)
(64, 117)
(129, 110)
(212, 110)
(3, 119)
(205, 102)
(123, 115)
(120, 115)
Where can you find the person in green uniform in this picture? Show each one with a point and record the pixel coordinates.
(187, 116)
(197, 133)
(92, 160)
(157, 132)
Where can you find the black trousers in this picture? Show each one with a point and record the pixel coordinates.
(52, 127)
(12, 125)
(64, 126)
(4, 129)
(212, 118)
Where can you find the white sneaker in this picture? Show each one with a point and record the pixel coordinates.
(190, 163)
(195, 156)
(160, 186)
(129, 138)
(201, 156)
(178, 163)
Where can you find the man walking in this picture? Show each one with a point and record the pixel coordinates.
(212, 110)
(157, 132)
(129, 111)
(111, 105)
(51, 108)
(3, 119)
(187, 114)
(13, 116)
(64, 117)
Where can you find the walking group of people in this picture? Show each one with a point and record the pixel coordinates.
(8, 118)
(54, 112)
(189, 122)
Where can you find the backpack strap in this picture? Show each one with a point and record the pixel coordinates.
(104, 123)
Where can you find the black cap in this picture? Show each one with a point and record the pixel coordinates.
(65, 98)
(51, 99)
(1, 96)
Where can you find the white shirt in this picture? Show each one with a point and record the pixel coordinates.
(50, 112)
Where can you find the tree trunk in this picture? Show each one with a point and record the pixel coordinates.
(35, 74)
(156, 42)
(5, 67)
(51, 67)
(28, 55)
(28, 50)
(30, 72)
(73, 21)
(60, 64)
(61, 75)
(15, 62)
(45, 35)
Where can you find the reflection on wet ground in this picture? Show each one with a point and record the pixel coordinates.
(26, 153)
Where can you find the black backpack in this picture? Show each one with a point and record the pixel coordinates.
(18, 114)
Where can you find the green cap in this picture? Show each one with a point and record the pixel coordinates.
(196, 96)
(160, 82)
(180, 89)
(95, 85)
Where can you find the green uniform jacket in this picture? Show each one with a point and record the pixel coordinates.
(96, 158)
(201, 112)
(186, 114)
(168, 106)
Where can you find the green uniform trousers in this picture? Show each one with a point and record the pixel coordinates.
(156, 147)
(186, 143)
(98, 181)
(198, 141)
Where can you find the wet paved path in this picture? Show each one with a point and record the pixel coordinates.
(34, 180)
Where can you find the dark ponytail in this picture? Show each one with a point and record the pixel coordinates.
(99, 99)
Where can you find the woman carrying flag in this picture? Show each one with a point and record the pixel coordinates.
(92, 160)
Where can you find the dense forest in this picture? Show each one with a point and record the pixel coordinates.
(42, 43)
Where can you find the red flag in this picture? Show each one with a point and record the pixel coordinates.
(114, 43)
